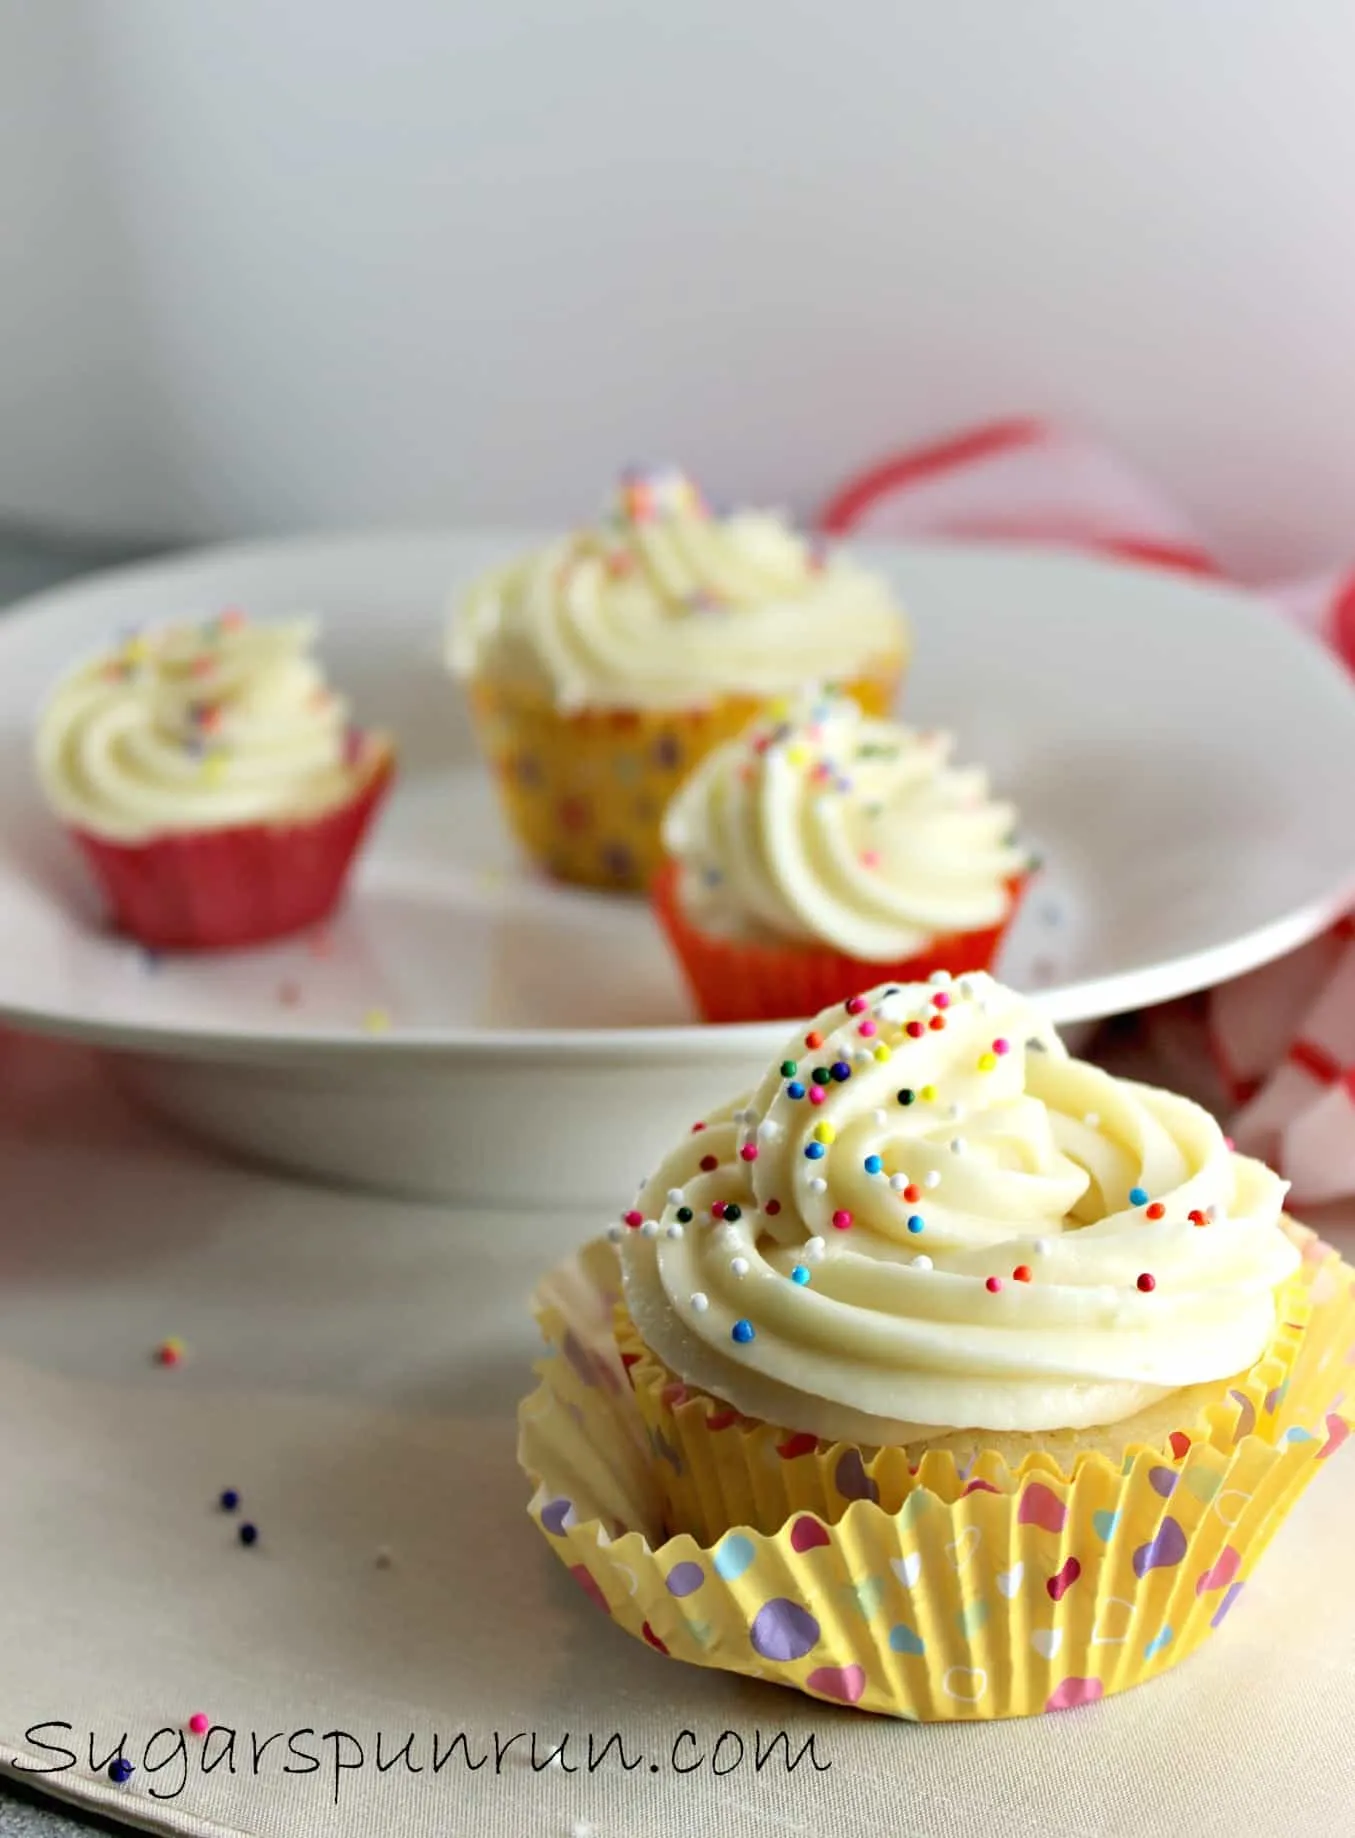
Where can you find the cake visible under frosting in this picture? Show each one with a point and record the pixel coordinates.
(930, 1217)
(198, 727)
(820, 825)
(665, 605)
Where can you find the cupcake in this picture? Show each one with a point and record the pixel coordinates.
(825, 849)
(603, 667)
(212, 781)
(973, 1389)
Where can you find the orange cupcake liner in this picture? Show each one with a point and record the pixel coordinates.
(733, 980)
(584, 792)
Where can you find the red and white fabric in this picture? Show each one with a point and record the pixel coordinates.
(1282, 1039)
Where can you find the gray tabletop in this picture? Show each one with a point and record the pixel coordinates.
(29, 563)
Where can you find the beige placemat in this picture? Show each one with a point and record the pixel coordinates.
(353, 1369)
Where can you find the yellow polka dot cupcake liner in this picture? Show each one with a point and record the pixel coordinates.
(951, 1592)
(585, 792)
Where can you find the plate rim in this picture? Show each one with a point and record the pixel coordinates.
(1089, 999)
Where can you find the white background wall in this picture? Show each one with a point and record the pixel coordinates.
(279, 262)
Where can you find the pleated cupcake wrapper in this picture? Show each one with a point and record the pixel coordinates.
(733, 980)
(213, 890)
(988, 1592)
(585, 792)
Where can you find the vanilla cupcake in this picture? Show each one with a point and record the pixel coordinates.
(604, 666)
(973, 1379)
(212, 780)
(825, 849)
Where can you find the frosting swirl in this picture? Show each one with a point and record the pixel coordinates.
(970, 1230)
(664, 605)
(820, 824)
(196, 727)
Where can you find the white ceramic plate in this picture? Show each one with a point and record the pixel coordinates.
(1179, 756)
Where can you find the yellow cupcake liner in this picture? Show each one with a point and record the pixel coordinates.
(987, 1591)
(585, 792)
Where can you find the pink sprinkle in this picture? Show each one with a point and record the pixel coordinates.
(993, 1284)
(632, 1219)
(817, 1094)
(855, 1004)
(842, 1220)
(870, 858)
(199, 1723)
(748, 1152)
(940, 999)
(772, 1208)
(915, 1030)
(1001, 1046)
(866, 1029)
(717, 1211)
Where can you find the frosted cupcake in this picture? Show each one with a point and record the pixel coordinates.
(824, 850)
(973, 1388)
(604, 666)
(212, 780)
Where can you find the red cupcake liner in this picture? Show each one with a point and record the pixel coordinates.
(735, 981)
(217, 890)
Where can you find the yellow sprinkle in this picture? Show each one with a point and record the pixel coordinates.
(214, 769)
(796, 756)
(824, 1132)
(927, 1093)
(780, 709)
(376, 1021)
(987, 1062)
(135, 651)
(882, 1053)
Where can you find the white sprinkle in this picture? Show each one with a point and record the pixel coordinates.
(957, 1145)
(956, 1112)
(674, 1196)
(893, 1008)
(814, 1248)
(673, 1231)
(649, 1229)
(738, 1266)
(897, 1182)
(922, 1263)
(881, 1118)
(1092, 1120)
(932, 1178)
(863, 1056)
(1041, 1247)
(614, 1233)
(817, 1184)
(700, 1302)
(768, 1130)
(966, 985)
(939, 977)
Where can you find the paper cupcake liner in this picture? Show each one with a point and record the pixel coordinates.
(585, 792)
(214, 890)
(988, 1592)
(735, 981)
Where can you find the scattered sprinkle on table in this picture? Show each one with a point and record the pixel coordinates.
(169, 1352)
(248, 1534)
(376, 1020)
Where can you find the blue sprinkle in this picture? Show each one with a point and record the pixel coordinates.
(742, 1331)
(841, 1071)
(1138, 1196)
(916, 1222)
(873, 1164)
(814, 1152)
(795, 1089)
(799, 1274)
(120, 1770)
(229, 1499)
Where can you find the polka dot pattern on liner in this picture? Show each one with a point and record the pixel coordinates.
(1036, 1226)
